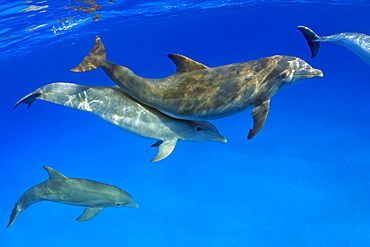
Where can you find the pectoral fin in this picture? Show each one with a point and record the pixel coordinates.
(259, 115)
(89, 213)
(157, 144)
(165, 148)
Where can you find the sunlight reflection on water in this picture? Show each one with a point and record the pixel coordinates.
(34, 21)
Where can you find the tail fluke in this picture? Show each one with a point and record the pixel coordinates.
(29, 99)
(311, 38)
(94, 61)
(13, 216)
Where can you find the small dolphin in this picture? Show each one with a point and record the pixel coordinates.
(73, 191)
(115, 106)
(197, 92)
(358, 43)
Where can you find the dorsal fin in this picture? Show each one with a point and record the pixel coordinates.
(185, 64)
(53, 174)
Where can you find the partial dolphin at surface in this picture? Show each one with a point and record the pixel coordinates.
(358, 43)
(198, 92)
(73, 191)
(114, 106)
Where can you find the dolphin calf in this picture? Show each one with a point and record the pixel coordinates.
(73, 191)
(358, 43)
(115, 106)
(198, 92)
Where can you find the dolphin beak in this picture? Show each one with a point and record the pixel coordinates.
(217, 138)
(132, 205)
(316, 73)
(309, 73)
(223, 140)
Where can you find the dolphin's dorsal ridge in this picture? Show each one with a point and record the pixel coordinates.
(89, 213)
(185, 64)
(53, 174)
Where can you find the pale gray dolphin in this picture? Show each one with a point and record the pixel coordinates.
(73, 191)
(197, 92)
(358, 43)
(116, 107)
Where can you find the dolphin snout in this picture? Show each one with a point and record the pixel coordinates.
(223, 140)
(217, 138)
(316, 72)
(308, 73)
(132, 205)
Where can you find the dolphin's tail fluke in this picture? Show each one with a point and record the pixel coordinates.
(95, 60)
(311, 38)
(29, 99)
(13, 216)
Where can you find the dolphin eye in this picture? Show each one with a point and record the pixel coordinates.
(118, 204)
(285, 74)
(198, 128)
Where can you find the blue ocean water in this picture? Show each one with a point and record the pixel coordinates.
(302, 181)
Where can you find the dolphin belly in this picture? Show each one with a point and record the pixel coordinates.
(361, 47)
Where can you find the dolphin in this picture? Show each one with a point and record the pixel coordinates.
(73, 191)
(114, 106)
(358, 43)
(198, 92)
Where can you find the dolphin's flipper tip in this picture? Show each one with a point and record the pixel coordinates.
(311, 38)
(157, 144)
(29, 99)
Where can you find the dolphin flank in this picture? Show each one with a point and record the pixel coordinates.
(114, 106)
(358, 43)
(73, 191)
(198, 92)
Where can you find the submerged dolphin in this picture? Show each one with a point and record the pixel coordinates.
(358, 43)
(73, 191)
(116, 107)
(197, 92)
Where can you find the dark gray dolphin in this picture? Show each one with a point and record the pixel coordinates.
(197, 92)
(358, 43)
(73, 191)
(116, 107)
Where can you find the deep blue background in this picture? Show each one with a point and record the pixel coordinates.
(302, 181)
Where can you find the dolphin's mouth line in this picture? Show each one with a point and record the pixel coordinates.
(317, 73)
(218, 138)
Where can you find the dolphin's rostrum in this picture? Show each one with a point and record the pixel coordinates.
(198, 92)
(73, 191)
(358, 43)
(115, 106)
